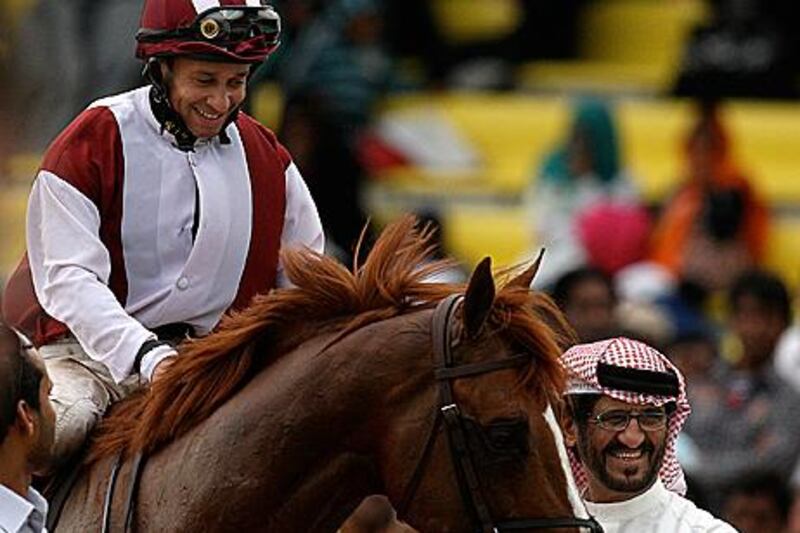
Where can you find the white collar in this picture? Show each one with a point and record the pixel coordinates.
(619, 511)
(16, 511)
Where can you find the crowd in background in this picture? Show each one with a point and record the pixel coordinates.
(741, 445)
(686, 276)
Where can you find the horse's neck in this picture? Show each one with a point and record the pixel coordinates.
(333, 404)
(331, 491)
(304, 432)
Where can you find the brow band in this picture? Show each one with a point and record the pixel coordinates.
(636, 380)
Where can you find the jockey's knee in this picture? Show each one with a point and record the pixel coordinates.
(74, 422)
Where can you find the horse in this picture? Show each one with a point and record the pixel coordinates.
(318, 395)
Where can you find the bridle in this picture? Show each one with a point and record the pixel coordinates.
(460, 428)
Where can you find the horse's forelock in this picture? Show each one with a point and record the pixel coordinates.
(537, 324)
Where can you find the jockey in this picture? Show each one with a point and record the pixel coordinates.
(626, 405)
(156, 211)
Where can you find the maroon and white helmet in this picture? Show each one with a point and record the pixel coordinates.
(241, 31)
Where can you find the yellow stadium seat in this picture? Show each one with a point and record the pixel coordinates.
(626, 46)
(471, 234)
(783, 253)
(638, 31)
(476, 20)
(267, 103)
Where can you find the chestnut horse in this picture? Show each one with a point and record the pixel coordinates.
(318, 395)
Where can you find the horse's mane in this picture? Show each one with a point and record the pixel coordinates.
(391, 282)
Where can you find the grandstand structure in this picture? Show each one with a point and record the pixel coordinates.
(629, 51)
(483, 207)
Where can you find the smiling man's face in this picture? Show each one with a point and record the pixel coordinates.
(620, 464)
(205, 93)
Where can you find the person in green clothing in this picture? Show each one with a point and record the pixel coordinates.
(584, 170)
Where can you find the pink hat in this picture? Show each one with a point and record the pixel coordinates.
(614, 234)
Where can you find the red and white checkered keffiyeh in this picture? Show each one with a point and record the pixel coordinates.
(581, 364)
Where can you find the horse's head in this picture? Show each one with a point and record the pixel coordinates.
(486, 450)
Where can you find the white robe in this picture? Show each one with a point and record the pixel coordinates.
(657, 510)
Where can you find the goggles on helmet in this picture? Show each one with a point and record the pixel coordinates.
(224, 26)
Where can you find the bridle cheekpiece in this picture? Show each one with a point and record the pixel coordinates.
(460, 430)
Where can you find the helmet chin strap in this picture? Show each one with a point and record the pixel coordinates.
(165, 114)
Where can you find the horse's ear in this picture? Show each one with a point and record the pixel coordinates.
(479, 297)
(524, 280)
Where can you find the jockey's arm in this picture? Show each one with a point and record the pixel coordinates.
(301, 224)
(71, 267)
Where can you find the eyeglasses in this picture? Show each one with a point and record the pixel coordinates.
(618, 420)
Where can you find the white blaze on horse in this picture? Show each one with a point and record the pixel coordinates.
(346, 385)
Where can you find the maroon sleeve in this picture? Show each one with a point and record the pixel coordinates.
(88, 156)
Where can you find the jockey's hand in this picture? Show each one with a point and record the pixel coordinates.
(161, 367)
(155, 353)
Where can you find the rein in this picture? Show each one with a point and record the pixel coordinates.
(130, 499)
(472, 495)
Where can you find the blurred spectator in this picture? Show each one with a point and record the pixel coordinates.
(761, 312)
(793, 521)
(644, 281)
(787, 355)
(68, 53)
(715, 226)
(757, 502)
(645, 322)
(613, 234)
(586, 296)
(748, 417)
(332, 79)
(694, 352)
(295, 16)
(424, 44)
(585, 170)
(543, 30)
(745, 50)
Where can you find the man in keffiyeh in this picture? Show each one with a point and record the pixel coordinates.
(626, 404)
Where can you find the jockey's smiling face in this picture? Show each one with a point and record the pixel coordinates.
(622, 460)
(204, 93)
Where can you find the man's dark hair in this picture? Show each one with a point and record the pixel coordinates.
(763, 483)
(767, 288)
(723, 213)
(563, 287)
(581, 406)
(20, 379)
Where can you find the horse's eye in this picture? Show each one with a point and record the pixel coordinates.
(508, 436)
